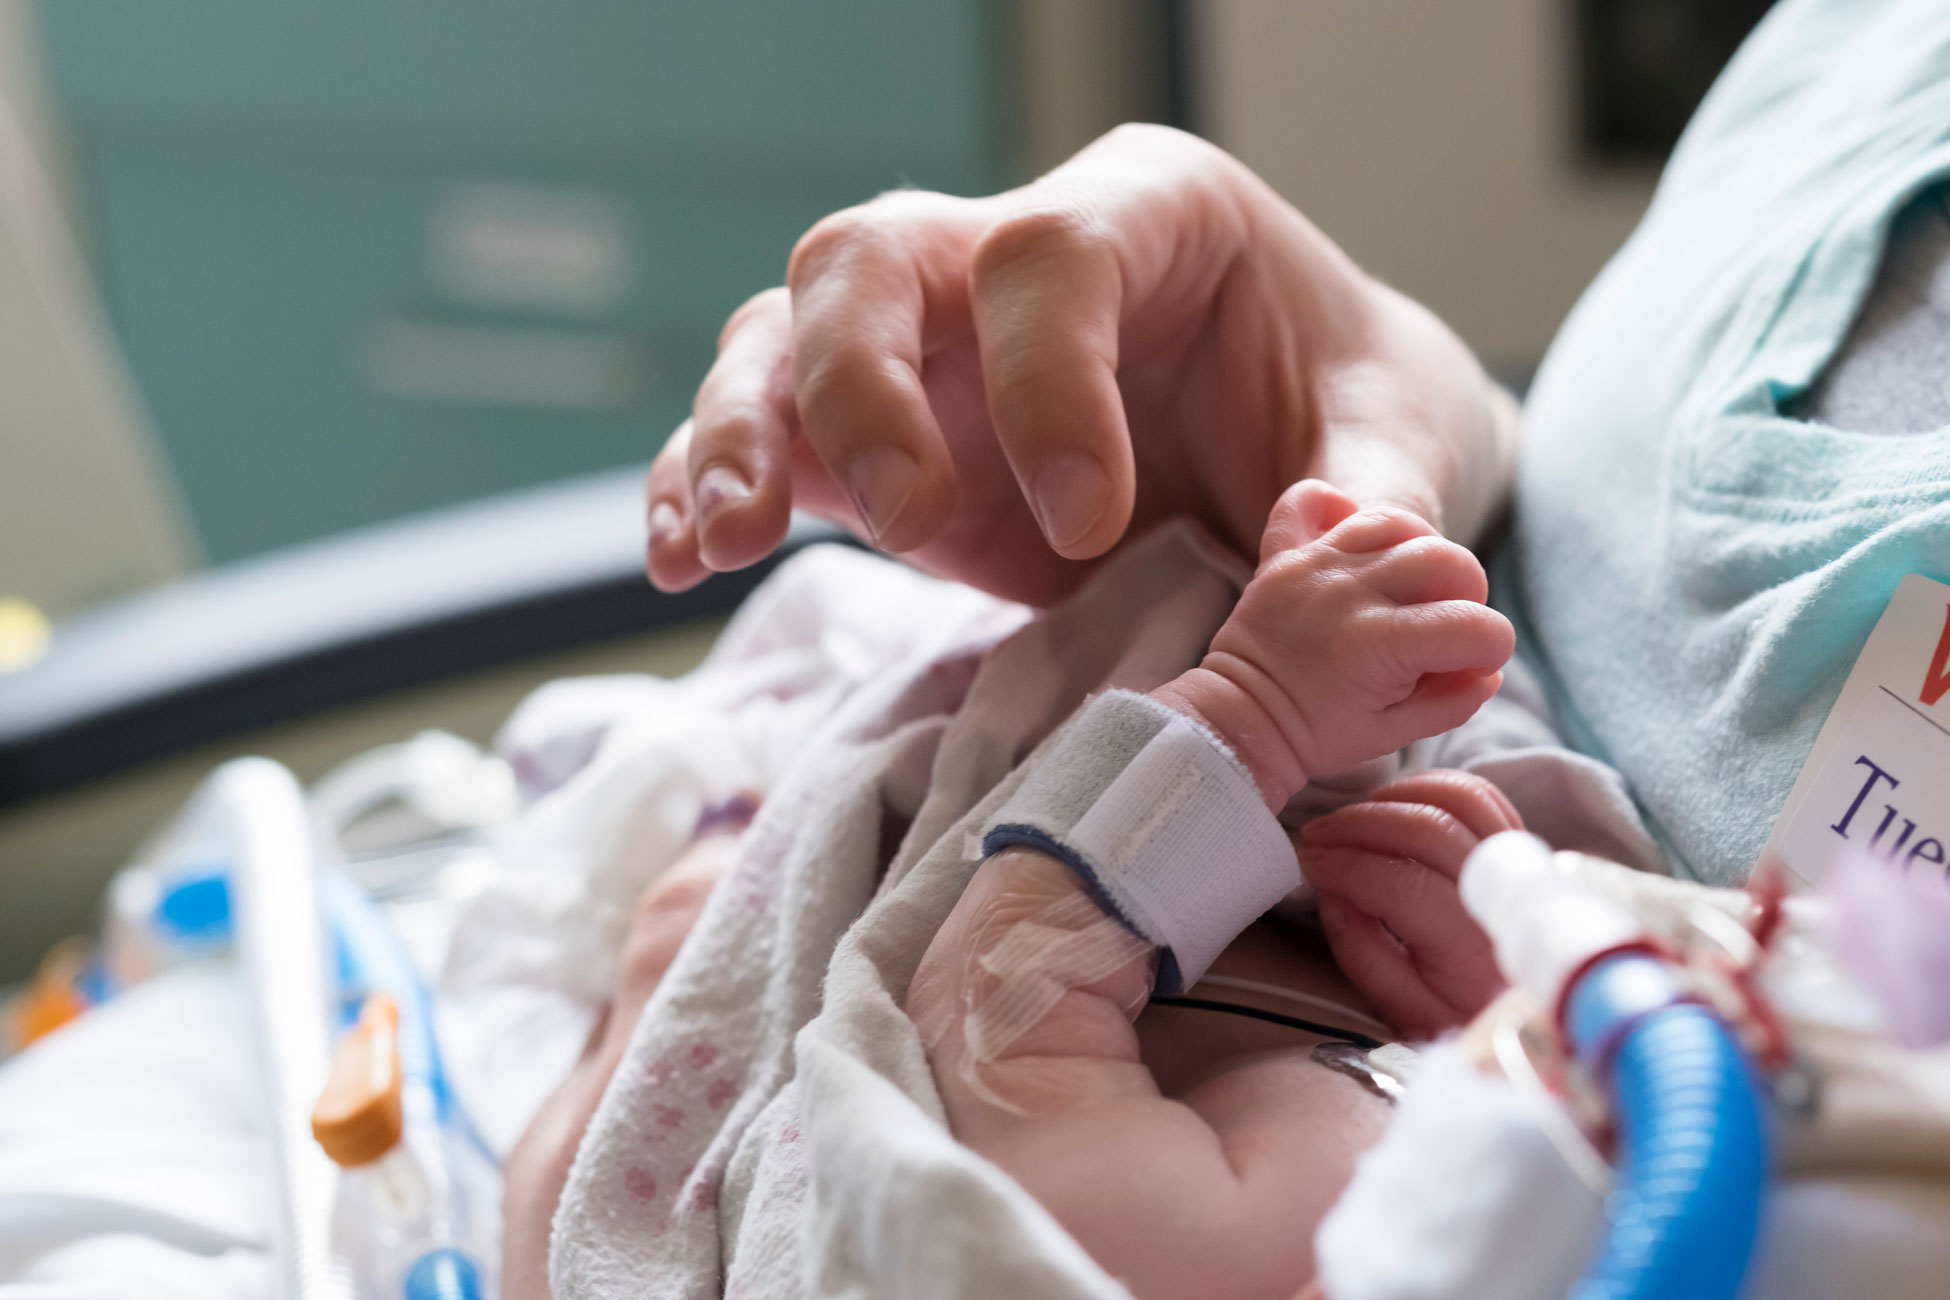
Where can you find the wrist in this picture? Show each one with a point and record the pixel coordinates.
(1218, 705)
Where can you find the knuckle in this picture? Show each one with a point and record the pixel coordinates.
(1433, 552)
(1150, 136)
(837, 379)
(1456, 561)
(1403, 522)
(1050, 229)
(1465, 789)
(776, 299)
(1383, 525)
(833, 237)
(1018, 374)
(1155, 143)
(1291, 507)
(1449, 835)
(1466, 796)
(723, 425)
(1455, 573)
(901, 208)
(1288, 577)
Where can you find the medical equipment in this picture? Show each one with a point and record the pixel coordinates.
(57, 995)
(1683, 1097)
(159, 915)
(168, 907)
(254, 811)
(417, 1203)
(1694, 1152)
(242, 861)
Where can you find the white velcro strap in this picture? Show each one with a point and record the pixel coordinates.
(1165, 825)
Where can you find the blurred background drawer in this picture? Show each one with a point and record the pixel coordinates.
(322, 349)
(374, 260)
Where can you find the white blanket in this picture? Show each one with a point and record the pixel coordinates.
(774, 1130)
(765, 1136)
(768, 1137)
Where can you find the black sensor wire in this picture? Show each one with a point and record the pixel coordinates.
(1360, 1040)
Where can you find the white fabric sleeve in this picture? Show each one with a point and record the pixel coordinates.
(1163, 824)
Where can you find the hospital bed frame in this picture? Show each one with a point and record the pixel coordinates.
(335, 622)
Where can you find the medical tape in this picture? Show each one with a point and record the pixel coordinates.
(1165, 827)
(1015, 982)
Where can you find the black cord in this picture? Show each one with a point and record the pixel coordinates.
(1273, 1018)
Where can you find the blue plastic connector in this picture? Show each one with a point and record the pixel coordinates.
(443, 1274)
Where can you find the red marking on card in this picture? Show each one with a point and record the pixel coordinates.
(1938, 681)
(640, 1183)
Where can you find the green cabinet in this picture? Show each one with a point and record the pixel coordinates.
(371, 258)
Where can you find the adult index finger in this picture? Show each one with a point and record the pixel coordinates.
(672, 559)
(871, 287)
(738, 465)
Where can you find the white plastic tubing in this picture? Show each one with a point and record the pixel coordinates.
(251, 814)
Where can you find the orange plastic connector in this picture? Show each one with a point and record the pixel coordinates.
(53, 998)
(358, 1117)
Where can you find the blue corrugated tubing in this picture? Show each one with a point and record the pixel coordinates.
(1693, 1148)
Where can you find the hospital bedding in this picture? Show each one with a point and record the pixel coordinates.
(774, 1129)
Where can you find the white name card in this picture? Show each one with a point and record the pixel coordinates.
(1878, 778)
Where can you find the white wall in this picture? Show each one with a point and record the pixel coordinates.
(1432, 140)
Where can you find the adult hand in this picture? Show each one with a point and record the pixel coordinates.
(1002, 388)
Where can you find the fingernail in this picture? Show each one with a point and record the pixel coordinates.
(665, 523)
(1069, 496)
(719, 487)
(880, 480)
